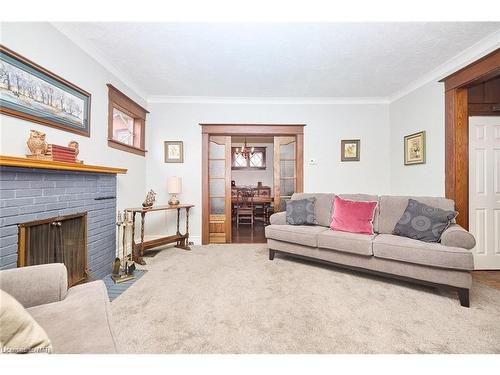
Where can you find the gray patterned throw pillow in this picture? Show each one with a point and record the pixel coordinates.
(423, 222)
(300, 211)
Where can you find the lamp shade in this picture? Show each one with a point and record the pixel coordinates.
(174, 185)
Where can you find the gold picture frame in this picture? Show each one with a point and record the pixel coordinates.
(350, 149)
(414, 145)
(174, 152)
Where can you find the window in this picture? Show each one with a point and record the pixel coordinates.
(256, 161)
(126, 122)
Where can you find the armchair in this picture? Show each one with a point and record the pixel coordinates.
(77, 320)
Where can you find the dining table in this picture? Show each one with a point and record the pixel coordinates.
(264, 201)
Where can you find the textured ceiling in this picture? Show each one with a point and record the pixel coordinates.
(276, 60)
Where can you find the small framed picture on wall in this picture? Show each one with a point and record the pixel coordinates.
(349, 149)
(415, 148)
(174, 152)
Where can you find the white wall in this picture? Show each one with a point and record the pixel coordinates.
(381, 128)
(251, 177)
(326, 125)
(422, 109)
(43, 44)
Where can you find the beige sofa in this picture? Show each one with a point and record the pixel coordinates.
(445, 264)
(77, 320)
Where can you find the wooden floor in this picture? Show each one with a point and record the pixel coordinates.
(490, 278)
(245, 234)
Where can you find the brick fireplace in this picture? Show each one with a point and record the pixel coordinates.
(33, 194)
(59, 239)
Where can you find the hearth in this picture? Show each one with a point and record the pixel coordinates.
(61, 239)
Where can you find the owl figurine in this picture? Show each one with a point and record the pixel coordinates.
(36, 143)
(75, 145)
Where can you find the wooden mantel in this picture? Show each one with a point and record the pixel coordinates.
(20, 162)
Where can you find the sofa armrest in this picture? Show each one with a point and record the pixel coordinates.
(279, 218)
(36, 285)
(457, 236)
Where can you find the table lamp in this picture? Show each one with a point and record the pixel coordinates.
(174, 187)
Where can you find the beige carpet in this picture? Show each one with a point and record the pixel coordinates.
(232, 299)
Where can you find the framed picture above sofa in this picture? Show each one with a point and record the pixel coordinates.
(31, 92)
(415, 148)
(349, 149)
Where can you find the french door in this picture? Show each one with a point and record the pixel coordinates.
(484, 190)
(219, 188)
(216, 169)
(285, 170)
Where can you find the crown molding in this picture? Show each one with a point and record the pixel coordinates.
(464, 58)
(263, 100)
(92, 52)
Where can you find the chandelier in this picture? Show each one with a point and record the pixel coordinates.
(245, 151)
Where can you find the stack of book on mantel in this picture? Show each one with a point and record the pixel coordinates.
(61, 153)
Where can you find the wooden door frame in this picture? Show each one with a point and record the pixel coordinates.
(271, 130)
(456, 88)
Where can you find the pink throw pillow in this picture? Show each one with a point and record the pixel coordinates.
(353, 216)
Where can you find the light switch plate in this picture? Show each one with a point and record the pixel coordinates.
(313, 161)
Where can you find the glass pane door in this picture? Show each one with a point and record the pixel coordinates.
(219, 186)
(285, 170)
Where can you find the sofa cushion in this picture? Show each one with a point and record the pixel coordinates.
(405, 249)
(393, 207)
(354, 243)
(423, 222)
(19, 332)
(366, 198)
(353, 216)
(300, 234)
(300, 211)
(322, 207)
(81, 323)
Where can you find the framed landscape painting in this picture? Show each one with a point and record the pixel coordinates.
(349, 150)
(32, 93)
(415, 148)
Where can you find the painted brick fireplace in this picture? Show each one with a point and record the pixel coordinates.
(28, 194)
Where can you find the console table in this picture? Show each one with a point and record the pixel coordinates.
(181, 240)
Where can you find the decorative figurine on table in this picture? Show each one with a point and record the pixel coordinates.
(150, 199)
(74, 145)
(37, 144)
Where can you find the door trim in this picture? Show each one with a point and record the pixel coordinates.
(457, 128)
(208, 130)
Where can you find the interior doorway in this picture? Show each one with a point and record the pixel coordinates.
(472, 156)
(241, 189)
(252, 187)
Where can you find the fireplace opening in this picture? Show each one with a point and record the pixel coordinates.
(61, 239)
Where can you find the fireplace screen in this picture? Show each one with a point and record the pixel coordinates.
(56, 240)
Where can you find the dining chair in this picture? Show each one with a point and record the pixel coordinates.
(245, 209)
